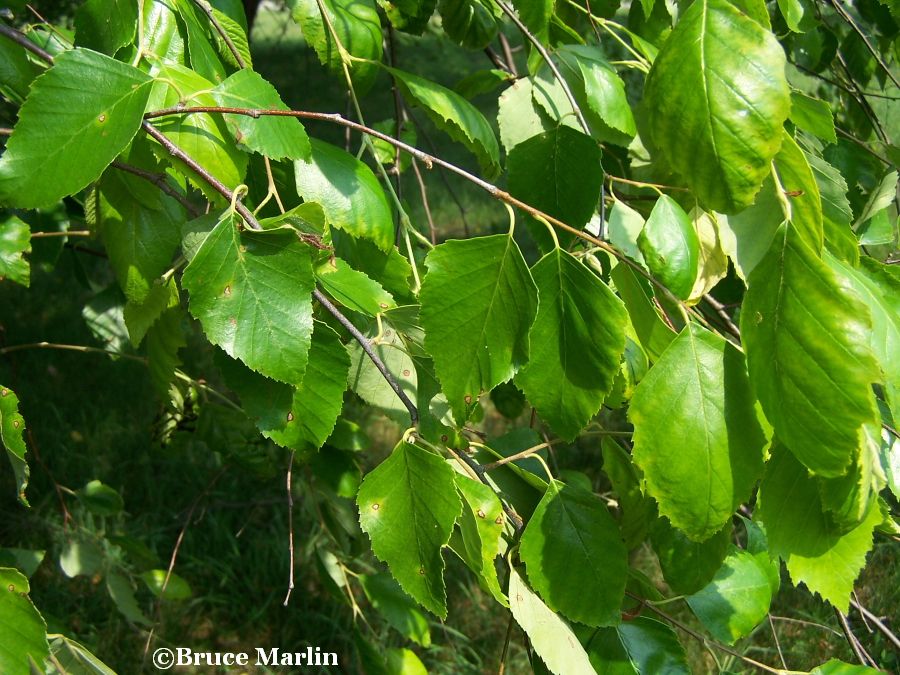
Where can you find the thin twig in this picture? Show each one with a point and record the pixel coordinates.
(21, 40)
(703, 639)
(507, 53)
(160, 181)
(208, 10)
(367, 348)
(423, 191)
(853, 641)
(290, 504)
(777, 642)
(722, 313)
(213, 182)
(849, 19)
(879, 624)
(429, 161)
(480, 472)
(510, 12)
(62, 233)
(70, 348)
(521, 455)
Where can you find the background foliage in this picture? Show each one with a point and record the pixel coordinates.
(579, 434)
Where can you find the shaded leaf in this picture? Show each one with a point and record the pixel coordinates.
(577, 341)
(397, 607)
(408, 506)
(12, 433)
(358, 31)
(571, 529)
(813, 115)
(105, 26)
(816, 552)
(737, 598)
(454, 115)
(687, 565)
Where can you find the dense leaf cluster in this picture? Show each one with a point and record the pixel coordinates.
(699, 270)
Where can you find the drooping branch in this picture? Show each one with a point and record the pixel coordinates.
(429, 161)
(510, 12)
(367, 348)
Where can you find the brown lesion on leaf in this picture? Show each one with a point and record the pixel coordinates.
(480, 513)
(422, 571)
(101, 118)
(406, 373)
(290, 416)
(4, 392)
(498, 520)
(376, 506)
(468, 399)
(227, 292)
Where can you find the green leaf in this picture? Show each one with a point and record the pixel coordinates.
(687, 565)
(799, 531)
(792, 11)
(836, 212)
(654, 333)
(238, 36)
(20, 618)
(358, 31)
(637, 510)
(139, 317)
(204, 58)
(100, 499)
(518, 116)
(251, 292)
(302, 416)
(568, 184)
(164, 34)
(747, 236)
(454, 115)
(641, 646)
(478, 302)
(15, 242)
(471, 23)
(78, 116)
(806, 333)
(481, 529)
(716, 98)
(367, 381)
(551, 636)
(12, 430)
(696, 436)
(275, 137)
(577, 342)
(535, 14)
(813, 115)
(670, 246)
(105, 26)
(625, 226)
(597, 88)
(203, 137)
(348, 192)
(164, 339)
(81, 557)
(119, 588)
(482, 82)
(712, 263)
(801, 192)
(737, 598)
(25, 560)
(353, 289)
(879, 289)
(74, 658)
(571, 529)
(408, 506)
(410, 16)
(397, 607)
(177, 587)
(140, 230)
(838, 667)
(879, 199)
